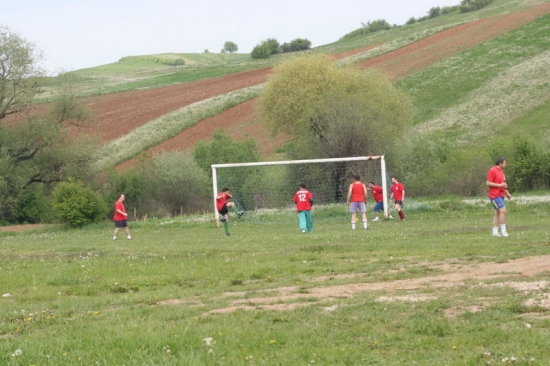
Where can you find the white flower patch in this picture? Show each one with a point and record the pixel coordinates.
(406, 298)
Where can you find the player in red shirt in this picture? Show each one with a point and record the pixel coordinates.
(378, 195)
(223, 208)
(357, 200)
(498, 189)
(398, 194)
(304, 200)
(121, 218)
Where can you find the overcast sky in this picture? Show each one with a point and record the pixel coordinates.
(76, 34)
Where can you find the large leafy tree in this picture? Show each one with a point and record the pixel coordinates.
(19, 72)
(334, 112)
(230, 47)
(312, 97)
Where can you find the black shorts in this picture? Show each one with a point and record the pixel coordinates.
(399, 202)
(224, 209)
(121, 223)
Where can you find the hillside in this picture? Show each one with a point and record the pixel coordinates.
(115, 115)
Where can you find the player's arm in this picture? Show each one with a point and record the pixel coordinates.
(349, 194)
(508, 194)
(403, 197)
(495, 185)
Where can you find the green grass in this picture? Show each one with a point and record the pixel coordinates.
(450, 82)
(78, 297)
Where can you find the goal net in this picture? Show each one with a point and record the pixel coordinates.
(272, 185)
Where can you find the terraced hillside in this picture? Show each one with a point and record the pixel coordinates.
(116, 116)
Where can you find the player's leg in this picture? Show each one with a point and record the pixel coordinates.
(309, 221)
(499, 216)
(127, 230)
(225, 219)
(502, 221)
(353, 211)
(399, 210)
(302, 221)
(363, 209)
(232, 206)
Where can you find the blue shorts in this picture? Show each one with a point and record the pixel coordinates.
(497, 203)
(379, 206)
(357, 205)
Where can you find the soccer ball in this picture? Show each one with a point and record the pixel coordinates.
(357, 219)
(222, 219)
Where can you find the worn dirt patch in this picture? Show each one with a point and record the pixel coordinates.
(456, 275)
(20, 228)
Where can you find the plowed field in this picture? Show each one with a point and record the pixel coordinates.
(114, 115)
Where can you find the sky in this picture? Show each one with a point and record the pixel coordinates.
(77, 34)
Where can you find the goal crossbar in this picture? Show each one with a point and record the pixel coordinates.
(308, 161)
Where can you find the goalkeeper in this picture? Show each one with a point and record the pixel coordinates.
(223, 208)
(304, 200)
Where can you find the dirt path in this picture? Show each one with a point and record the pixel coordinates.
(455, 275)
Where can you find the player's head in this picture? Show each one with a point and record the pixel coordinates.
(500, 161)
(121, 197)
(357, 177)
(225, 189)
(393, 180)
(302, 185)
(371, 184)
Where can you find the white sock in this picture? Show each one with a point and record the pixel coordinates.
(129, 237)
(353, 225)
(503, 228)
(114, 237)
(365, 224)
(495, 230)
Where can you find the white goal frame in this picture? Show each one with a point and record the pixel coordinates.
(310, 161)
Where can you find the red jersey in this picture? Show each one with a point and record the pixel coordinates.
(397, 189)
(358, 192)
(496, 175)
(119, 206)
(377, 193)
(303, 199)
(221, 199)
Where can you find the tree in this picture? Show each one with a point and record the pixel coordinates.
(265, 49)
(19, 72)
(299, 44)
(230, 47)
(434, 12)
(40, 150)
(342, 112)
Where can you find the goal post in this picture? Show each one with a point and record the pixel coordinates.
(334, 174)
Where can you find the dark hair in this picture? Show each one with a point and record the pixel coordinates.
(225, 189)
(302, 185)
(499, 160)
(120, 195)
(357, 177)
(371, 183)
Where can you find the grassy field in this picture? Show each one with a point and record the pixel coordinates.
(181, 293)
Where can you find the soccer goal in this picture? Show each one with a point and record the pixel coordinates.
(271, 185)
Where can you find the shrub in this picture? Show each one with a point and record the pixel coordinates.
(77, 205)
(529, 165)
(265, 49)
(178, 185)
(299, 44)
(32, 207)
(472, 5)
